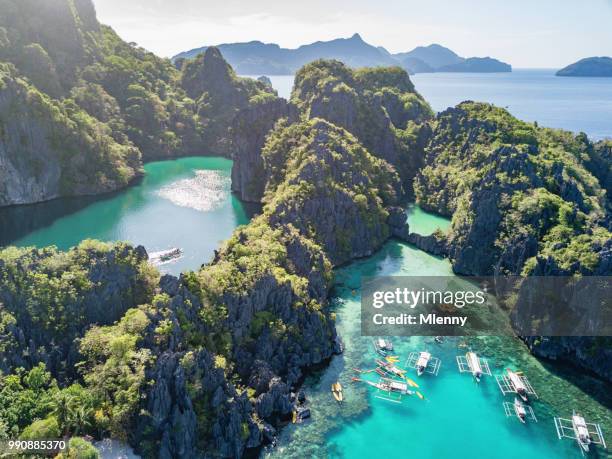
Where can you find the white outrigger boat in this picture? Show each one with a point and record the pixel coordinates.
(520, 410)
(513, 382)
(165, 256)
(471, 363)
(390, 387)
(383, 346)
(585, 433)
(423, 362)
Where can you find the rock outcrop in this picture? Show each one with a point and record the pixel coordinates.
(49, 298)
(249, 131)
(219, 96)
(79, 107)
(49, 150)
(591, 353)
(507, 185)
(379, 106)
(321, 181)
(523, 201)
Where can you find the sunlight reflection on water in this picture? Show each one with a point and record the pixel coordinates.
(207, 191)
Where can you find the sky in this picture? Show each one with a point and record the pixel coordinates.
(524, 33)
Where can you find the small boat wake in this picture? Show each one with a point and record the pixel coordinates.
(165, 256)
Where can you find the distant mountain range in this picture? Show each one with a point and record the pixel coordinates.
(255, 57)
(589, 67)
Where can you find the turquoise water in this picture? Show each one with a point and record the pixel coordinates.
(183, 203)
(575, 104)
(459, 418)
(425, 223)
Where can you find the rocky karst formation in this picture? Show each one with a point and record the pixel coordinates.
(48, 149)
(49, 298)
(249, 130)
(523, 201)
(219, 96)
(270, 283)
(518, 195)
(80, 109)
(379, 106)
(208, 363)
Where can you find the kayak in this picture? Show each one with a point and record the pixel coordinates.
(336, 389)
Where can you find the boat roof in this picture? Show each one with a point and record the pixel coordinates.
(398, 385)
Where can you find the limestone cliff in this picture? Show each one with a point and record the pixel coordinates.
(379, 106)
(249, 131)
(524, 201)
(220, 95)
(49, 149)
(49, 298)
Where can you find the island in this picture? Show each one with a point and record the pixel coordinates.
(437, 58)
(255, 57)
(588, 67)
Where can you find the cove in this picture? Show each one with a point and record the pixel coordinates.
(184, 203)
(458, 418)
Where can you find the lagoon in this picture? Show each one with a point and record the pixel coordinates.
(185, 203)
(458, 417)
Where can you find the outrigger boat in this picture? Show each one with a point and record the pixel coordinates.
(513, 382)
(423, 362)
(390, 387)
(336, 389)
(383, 346)
(520, 410)
(390, 368)
(471, 363)
(165, 256)
(585, 433)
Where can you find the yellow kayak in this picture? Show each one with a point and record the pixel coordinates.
(294, 417)
(392, 359)
(411, 383)
(336, 389)
(421, 396)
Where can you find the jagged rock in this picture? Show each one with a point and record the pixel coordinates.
(36, 133)
(506, 183)
(397, 222)
(265, 80)
(433, 244)
(347, 224)
(249, 131)
(372, 105)
(591, 353)
(169, 284)
(220, 95)
(112, 283)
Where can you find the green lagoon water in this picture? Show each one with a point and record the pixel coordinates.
(459, 418)
(187, 203)
(183, 203)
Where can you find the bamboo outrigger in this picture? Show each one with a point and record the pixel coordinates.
(471, 363)
(520, 410)
(585, 433)
(423, 362)
(513, 382)
(390, 387)
(389, 368)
